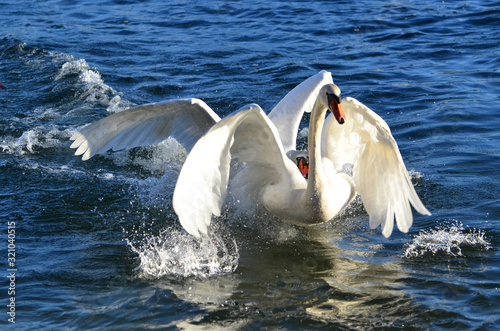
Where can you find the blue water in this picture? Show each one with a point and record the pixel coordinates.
(97, 243)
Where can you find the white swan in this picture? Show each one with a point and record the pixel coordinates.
(264, 146)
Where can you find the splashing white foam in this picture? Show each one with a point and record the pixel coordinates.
(448, 240)
(43, 133)
(39, 137)
(161, 157)
(80, 67)
(94, 89)
(303, 133)
(415, 174)
(175, 253)
(117, 104)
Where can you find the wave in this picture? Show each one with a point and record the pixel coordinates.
(41, 137)
(77, 96)
(67, 90)
(447, 240)
(91, 90)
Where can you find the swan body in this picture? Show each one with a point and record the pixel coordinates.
(264, 147)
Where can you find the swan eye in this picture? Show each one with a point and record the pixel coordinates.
(331, 97)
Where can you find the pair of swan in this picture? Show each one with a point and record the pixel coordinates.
(264, 146)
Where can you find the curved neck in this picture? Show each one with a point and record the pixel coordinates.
(316, 171)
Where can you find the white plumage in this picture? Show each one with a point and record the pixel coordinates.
(353, 134)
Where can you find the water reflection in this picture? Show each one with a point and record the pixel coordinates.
(305, 277)
(312, 278)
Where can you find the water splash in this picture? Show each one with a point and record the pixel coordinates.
(448, 240)
(176, 253)
(76, 86)
(91, 88)
(37, 138)
(415, 175)
(157, 158)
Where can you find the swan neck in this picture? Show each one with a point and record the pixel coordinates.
(316, 173)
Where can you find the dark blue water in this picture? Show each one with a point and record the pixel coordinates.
(97, 244)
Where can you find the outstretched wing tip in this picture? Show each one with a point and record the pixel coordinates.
(186, 120)
(379, 171)
(196, 101)
(194, 231)
(74, 144)
(386, 234)
(194, 223)
(250, 107)
(75, 136)
(424, 211)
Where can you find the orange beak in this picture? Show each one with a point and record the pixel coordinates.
(304, 168)
(336, 109)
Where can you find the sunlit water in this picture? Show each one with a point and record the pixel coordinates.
(98, 245)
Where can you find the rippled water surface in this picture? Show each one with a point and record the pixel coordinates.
(97, 243)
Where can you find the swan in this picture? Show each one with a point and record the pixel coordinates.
(271, 172)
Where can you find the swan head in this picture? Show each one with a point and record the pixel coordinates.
(301, 159)
(330, 96)
(303, 165)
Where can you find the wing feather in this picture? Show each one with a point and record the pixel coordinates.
(246, 135)
(381, 178)
(186, 120)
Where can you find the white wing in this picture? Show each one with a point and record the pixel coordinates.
(185, 120)
(381, 178)
(286, 115)
(247, 135)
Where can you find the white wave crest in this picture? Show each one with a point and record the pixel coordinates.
(175, 253)
(39, 137)
(448, 240)
(80, 67)
(94, 89)
(47, 123)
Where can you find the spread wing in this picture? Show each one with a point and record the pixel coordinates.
(286, 115)
(247, 135)
(185, 120)
(379, 173)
